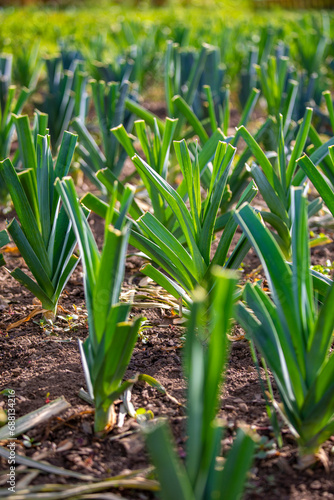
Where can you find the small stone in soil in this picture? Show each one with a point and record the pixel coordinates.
(315, 485)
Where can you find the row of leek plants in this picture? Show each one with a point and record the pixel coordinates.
(183, 252)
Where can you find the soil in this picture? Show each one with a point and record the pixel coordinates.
(42, 363)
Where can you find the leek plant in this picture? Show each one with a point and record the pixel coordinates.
(180, 241)
(274, 178)
(66, 97)
(208, 141)
(206, 352)
(107, 351)
(183, 72)
(119, 70)
(9, 104)
(109, 102)
(187, 73)
(183, 251)
(219, 129)
(218, 114)
(156, 147)
(44, 236)
(155, 144)
(27, 66)
(156, 150)
(291, 330)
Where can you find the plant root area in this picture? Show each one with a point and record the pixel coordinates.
(42, 363)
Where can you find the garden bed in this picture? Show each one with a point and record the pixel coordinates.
(43, 365)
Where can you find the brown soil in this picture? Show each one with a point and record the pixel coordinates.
(42, 365)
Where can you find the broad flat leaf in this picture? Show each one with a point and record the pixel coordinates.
(318, 181)
(25, 214)
(190, 116)
(179, 208)
(30, 257)
(34, 288)
(229, 483)
(171, 473)
(4, 238)
(169, 245)
(277, 271)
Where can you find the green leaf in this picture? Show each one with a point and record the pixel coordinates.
(192, 181)
(229, 483)
(88, 248)
(34, 288)
(30, 257)
(63, 163)
(153, 251)
(4, 238)
(95, 204)
(169, 245)
(277, 271)
(222, 302)
(108, 179)
(273, 201)
(26, 145)
(302, 281)
(210, 217)
(44, 175)
(318, 181)
(96, 157)
(65, 274)
(167, 283)
(211, 108)
(144, 114)
(179, 208)
(24, 213)
(172, 475)
(190, 116)
(259, 155)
